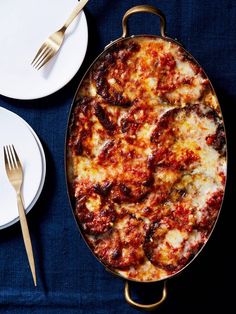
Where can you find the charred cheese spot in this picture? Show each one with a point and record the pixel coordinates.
(122, 247)
(182, 135)
(146, 158)
(96, 215)
(111, 71)
(170, 247)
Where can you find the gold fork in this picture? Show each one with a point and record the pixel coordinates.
(15, 175)
(53, 43)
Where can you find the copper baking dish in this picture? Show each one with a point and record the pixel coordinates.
(124, 37)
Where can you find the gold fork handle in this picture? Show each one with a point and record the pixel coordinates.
(26, 236)
(75, 12)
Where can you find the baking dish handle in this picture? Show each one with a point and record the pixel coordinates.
(144, 9)
(146, 307)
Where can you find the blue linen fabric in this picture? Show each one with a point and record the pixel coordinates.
(70, 279)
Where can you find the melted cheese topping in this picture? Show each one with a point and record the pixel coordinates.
(146, 158)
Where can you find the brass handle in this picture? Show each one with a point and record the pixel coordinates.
(146, 307)
(143, 8)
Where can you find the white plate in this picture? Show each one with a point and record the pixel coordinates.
(14, 130)
(24, 25)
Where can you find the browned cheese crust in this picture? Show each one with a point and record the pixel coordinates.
(146, 158)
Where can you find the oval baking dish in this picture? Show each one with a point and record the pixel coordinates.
(146, 157)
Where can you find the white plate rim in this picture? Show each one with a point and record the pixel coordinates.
(43, 176)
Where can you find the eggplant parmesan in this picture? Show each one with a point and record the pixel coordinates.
(146, 158)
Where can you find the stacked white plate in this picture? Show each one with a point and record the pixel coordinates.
(25, 25)
(14, 130)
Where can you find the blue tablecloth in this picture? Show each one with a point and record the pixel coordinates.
(70, 280)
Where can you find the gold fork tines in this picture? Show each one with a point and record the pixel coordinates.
(53, 43)
(14, 172)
